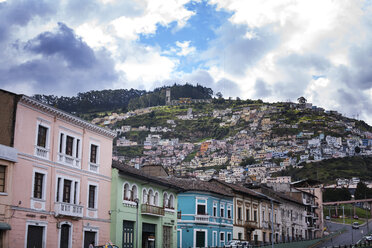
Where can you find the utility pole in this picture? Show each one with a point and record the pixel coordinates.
(272, 223)
(343, 213)
(137, 205)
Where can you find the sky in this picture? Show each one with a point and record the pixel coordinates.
(275, 50)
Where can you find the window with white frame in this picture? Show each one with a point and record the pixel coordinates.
(165, 200)
(144, 196)
(67, 190)
(39, 185)
(214, 209)
(69, 149)
(127, 192)
(156, 199)
(171, 201)
(201, 207)
(222, 237)
(229, 212)
(42, 139)
(94, 157)
(150, 196)
(92, 196)
(168, 200)
(229, 236)
(222, 210)
(2, 178)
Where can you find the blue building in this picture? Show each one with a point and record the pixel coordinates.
(206, 214)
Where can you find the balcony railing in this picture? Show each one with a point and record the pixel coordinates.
(93, 167)
(68, 209)
(66, 159)
(251, 224)
(202, 218)
(152, 210)
(41, 152)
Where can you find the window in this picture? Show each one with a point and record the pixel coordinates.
(42, 136)
(239, 213)
(240, 236)
(229, 212)
(263, 216)
(126, 192)
(69, 143)
(133, 193)
(69, 149)
(67, 190)
(201, 209)
(92, 196)
(222, 210)
(255, 215)
(222, 237)
(38, 185)
(165, 200)
(150, 196)
(171, 201)
(144, 196)
(214, 209)
(93, 154)
(247, 214)
(228, 236)
(2, 178)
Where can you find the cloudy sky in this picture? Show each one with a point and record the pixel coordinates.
(271, 50)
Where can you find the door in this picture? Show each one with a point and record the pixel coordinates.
(179, 238)
(200, 239)
(167, 236)
(128, 234)
(65, 236)
(214, 244)
(35, 237)
(89, 237)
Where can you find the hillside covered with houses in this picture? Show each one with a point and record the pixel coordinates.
(235, 140)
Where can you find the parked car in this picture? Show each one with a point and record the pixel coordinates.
(369, 238)
(356, 217)
(245, 244)
(355, 225)
(328, 218)
(233, 244)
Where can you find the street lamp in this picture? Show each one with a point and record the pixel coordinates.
(137, 204)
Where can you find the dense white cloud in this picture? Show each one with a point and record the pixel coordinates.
(269, 49)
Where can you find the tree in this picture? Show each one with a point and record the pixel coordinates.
(301, 100)
(248, 161)
(332, 195)
(219, 95)
(362, 191)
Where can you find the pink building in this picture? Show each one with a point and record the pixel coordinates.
(60, 192)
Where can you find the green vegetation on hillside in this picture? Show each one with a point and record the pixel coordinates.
(330, 169)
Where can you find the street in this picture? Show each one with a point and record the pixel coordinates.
(346, 238)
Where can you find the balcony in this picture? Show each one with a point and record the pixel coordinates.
(315, 205)
(152, 210)
(179, 214)
(251, 224)
(93, 167)
(309, 214)
(201, 218)
(69, 160)
(240, 222)
(68, 209)
(41, 152)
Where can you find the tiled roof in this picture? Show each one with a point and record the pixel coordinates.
(127, 170)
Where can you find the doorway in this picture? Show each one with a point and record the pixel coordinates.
(200, 239)
(89, 237)
(65, 236)
(35, 236)
(148, 235)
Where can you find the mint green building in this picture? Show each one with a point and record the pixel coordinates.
(143, 209)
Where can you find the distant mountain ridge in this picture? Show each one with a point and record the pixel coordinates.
(122, 100)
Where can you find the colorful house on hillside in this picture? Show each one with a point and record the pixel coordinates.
(60, 179)
(206, 214)
(143, 209)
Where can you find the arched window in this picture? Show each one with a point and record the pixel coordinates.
(126, 192)
(133, 192)
(156, 199)
(144, 196)
(165, 200)
(171, 201)
(150, 200)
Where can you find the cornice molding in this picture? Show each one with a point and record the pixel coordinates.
(66, 116)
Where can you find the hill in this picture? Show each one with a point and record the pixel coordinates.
(89, 104)
(329, 170)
